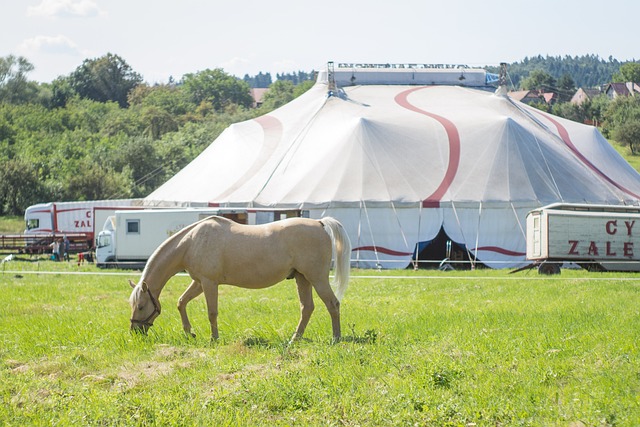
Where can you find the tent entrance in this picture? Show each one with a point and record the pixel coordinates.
(442, 253)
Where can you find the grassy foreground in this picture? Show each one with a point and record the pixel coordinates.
(480, 348)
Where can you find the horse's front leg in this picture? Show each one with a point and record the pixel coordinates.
(210, 289)
(192, 291)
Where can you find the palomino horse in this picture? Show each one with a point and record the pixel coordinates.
(218, 251)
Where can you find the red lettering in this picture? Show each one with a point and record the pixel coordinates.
(628, 249)
(88, 214)
(629, 225)
(593, 249)
(81, 223)
(573, 250)
(609, 251)
(612, 227)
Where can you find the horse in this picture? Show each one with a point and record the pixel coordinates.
(216, 251)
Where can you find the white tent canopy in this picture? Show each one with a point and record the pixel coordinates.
(398, 162)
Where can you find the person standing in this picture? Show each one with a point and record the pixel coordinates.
(55, 249)
(67, 246)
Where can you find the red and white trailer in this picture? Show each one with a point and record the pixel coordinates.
(596, 237)
(75, 218)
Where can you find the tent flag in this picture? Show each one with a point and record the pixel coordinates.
(401, 154)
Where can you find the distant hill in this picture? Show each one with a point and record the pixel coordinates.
(586, 71)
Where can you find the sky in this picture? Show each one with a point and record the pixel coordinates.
(162, 39)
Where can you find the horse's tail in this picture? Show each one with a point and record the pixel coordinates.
(341, 246)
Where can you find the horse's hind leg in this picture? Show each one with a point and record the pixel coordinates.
(305, 293)
(323, 288)
(192, 291)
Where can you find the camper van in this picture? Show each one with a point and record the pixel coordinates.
(129, 237)
(596, 237)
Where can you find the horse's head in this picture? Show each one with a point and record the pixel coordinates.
(144, 307)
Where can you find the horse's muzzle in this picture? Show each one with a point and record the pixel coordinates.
(140, 327)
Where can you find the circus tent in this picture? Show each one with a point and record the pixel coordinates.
(402, 155)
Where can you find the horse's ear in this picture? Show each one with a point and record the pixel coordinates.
(145, 288)
(133, 285)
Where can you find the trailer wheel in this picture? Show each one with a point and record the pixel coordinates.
(549, 268)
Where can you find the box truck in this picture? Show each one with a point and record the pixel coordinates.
(596, 237)
(129, 237)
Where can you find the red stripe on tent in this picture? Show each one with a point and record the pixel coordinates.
(382, 250)
(269, 122)
(454, 146)
(272, 129)
(502, 251)
(564, 135)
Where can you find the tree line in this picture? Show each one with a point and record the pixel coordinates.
(101, 132)
(585, 70)
(617, 119)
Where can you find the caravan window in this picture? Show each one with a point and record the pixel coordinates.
(33, 223)
(133, 226)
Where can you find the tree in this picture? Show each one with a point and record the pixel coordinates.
(61, 92)
(139, 157)
(172, 99)
(108, 78)
(14, 86)
(586, 71)
(628, 133)
(217, 88)
(629, 72)
(261, 80)
(279, 93)
(619, 113)
(303, 87)
(19, 186)
(282, 92)
(566, 88)
(92, 181)
(538, 80)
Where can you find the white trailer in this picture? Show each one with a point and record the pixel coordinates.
(129, 237)
(596, 237)
(69, 217)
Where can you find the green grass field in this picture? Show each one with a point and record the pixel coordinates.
(11, 224)
(632, 159)
(480, 348)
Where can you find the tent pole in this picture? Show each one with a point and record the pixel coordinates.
(416, 263)
(373, 241)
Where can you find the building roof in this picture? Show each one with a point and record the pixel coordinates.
(584, 94)
(257, 93)
(618, 89)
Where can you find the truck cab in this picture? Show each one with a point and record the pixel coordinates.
(105, 243)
